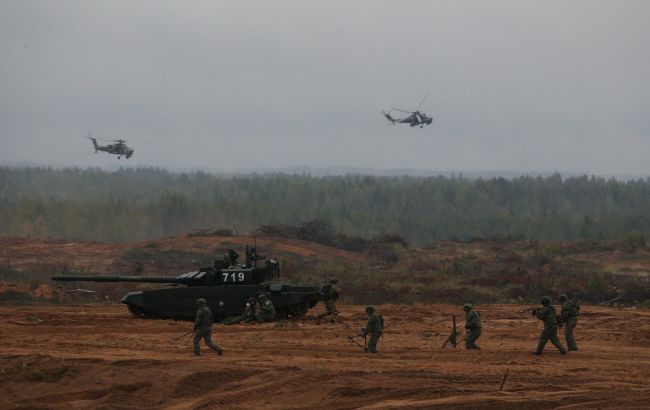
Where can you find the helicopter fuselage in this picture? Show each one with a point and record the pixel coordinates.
(119, 148)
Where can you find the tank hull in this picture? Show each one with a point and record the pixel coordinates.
(290, 301)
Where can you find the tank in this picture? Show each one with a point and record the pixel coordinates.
(226, 286)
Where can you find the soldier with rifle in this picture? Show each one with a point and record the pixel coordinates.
(547, 314)
(569, 313)
(374, 328)
(472, 325)
(203, 328)
(331, 294)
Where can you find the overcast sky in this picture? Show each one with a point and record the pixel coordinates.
(527, 85)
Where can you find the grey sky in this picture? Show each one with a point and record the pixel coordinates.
(528, 85)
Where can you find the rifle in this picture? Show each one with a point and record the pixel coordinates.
(534, 311)
(188, 333)
(452, 339)
(531, 309)
(352, 339)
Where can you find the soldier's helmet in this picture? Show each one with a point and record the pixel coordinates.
(562, 297)
(262, 296)
(201, 302)
(546, 301)
(467, 307)
(370, 309)
(252, 299)
(334, 280)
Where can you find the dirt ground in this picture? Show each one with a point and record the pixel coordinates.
(99, 357)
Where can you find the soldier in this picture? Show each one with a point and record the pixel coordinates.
(569, 316)
(374, 328)
(472, 325)
(203, 328)
(247, 316)
(547, 314)
(264, 310)
(331, 294)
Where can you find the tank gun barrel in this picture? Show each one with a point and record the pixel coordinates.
(115, 278)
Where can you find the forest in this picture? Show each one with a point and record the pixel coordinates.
(145, 203)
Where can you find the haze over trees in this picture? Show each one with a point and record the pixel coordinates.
(145, 203)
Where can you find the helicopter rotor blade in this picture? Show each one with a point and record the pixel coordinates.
(422, 102)
(438, 105)
(404, 111)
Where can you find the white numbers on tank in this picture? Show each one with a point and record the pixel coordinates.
(233, 276)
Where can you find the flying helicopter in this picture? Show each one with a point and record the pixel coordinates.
(119, 148)
(415, 118)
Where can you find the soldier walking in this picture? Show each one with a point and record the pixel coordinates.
(331, 294)
(569, 313)
(547, 314)
(203, 328)
(374, 328)
(472, 325)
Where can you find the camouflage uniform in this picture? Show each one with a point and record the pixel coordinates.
(203, 328)
(547, 315)
(373, 328)
(331, 294)
(473, 326)
(247, 316)
(569, 316)
(264, 310)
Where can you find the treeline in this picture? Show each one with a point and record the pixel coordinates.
(138, 204)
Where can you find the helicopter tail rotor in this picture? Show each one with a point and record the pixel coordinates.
(94, 141)
(389, 118)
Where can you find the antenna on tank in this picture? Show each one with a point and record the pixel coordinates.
(254, 253)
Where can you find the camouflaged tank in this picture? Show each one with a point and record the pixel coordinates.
(226, 286)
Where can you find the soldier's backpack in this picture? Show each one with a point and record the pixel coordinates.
(381, 321)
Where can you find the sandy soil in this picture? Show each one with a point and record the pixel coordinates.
(97, 356)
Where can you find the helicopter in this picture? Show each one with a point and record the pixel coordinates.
(416, 118)
(119, 148)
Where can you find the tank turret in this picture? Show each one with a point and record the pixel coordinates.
(226, 286)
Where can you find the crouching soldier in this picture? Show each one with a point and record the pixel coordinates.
(203, 328)
(473, 326)
(547, 314)
(374, 328)
(247, 316)
(569, 317)
(264, 310)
